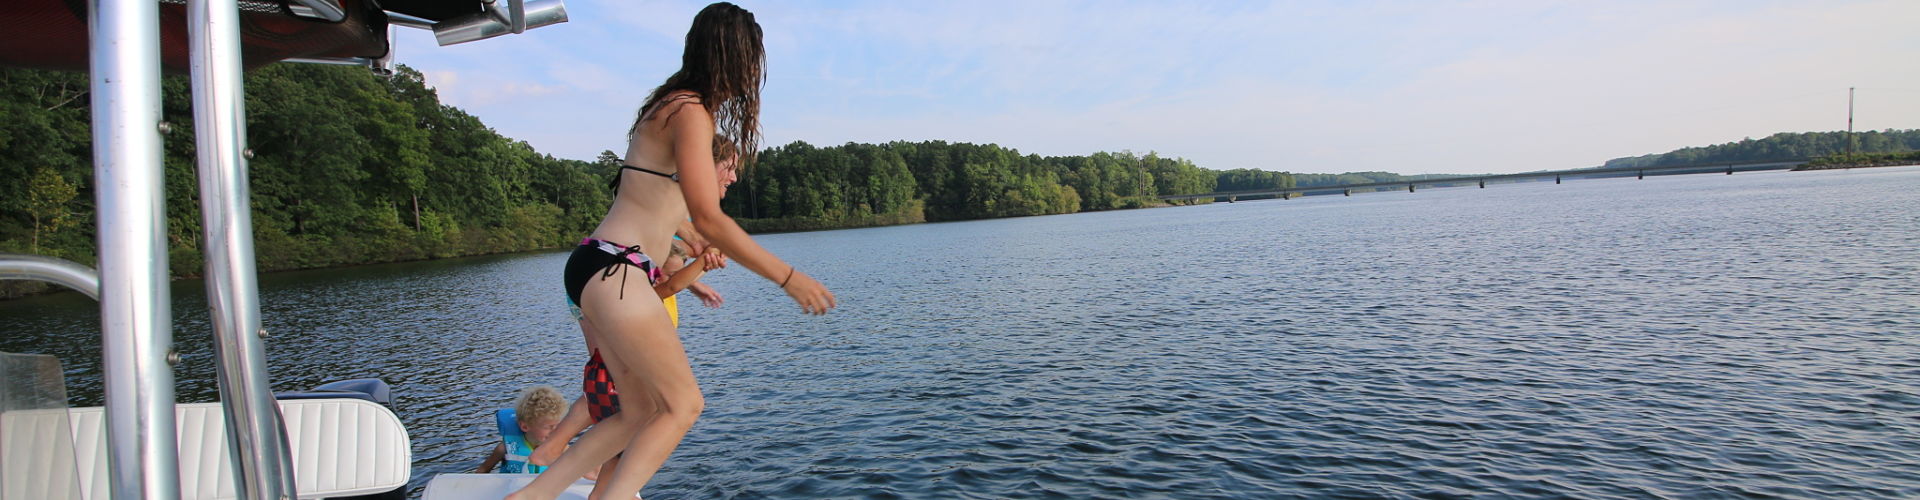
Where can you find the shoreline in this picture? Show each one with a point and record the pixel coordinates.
(15, 290)
(1900, 163)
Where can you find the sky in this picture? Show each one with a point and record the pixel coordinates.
(1311, 87)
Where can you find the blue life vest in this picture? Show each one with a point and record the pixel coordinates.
(517, 448)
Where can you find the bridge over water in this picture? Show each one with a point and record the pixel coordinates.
(1558, 176)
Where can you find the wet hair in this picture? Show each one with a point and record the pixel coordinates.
(539, 403)
(726, 65)
(723, 148)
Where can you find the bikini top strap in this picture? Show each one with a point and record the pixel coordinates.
(675, 176)
(648, 114)
(615, 183)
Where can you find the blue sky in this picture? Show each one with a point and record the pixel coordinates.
(1410, 87)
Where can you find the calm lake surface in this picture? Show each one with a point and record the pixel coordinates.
(1696, 336)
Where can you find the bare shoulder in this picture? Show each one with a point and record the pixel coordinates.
(681, 100)
(670, 110)
(682, 95)
(681, 116)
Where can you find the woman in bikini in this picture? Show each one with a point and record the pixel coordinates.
(668, 176)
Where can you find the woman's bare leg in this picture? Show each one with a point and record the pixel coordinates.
(652, 366)
(606, 470)
(658, 397)
(577, 418)
(607, 437)
(594, 448)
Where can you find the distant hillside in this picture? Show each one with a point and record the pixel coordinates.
(1785, 145)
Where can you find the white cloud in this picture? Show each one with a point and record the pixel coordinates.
(443, 81)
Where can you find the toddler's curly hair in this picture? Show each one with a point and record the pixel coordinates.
(539, 403)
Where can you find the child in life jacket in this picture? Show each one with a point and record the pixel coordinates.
(523, 428)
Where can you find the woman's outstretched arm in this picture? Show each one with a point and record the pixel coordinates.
(692, 132)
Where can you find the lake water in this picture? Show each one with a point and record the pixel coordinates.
(1697, 336)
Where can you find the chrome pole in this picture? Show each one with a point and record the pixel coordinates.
(42, 268)
(136, 315)
(258, 439)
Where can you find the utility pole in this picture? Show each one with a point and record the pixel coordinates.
(1849, 124)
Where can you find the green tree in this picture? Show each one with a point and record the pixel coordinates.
(49, 203)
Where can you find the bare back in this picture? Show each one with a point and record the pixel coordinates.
(648, 208)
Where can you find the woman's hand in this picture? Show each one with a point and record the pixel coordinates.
(812, 296)
(712, 259)
(696, 243)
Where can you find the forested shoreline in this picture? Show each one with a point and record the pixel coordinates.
(1865, 160)
(801, 187)
(348, 168)
(353, 168)
(1781, 146)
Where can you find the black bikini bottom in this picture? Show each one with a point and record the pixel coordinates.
(604, 257)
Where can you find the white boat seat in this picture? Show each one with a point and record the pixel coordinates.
(341, 447)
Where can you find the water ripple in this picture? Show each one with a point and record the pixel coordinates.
(1690, 337)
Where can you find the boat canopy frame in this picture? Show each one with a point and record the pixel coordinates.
(124, 58)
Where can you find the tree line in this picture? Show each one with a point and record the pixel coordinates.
(352, 168)
(347, 168)
(1781, 146)
(802, 186)
(1843, 160)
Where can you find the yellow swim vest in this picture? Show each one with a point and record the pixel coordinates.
(673, 309)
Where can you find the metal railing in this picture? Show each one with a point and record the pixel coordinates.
(256, 434)
(42, 268)
(136, 314)
(132, 282)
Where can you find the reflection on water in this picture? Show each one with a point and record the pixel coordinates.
(1681, 336)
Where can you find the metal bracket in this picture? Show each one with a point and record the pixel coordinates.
(321, 9)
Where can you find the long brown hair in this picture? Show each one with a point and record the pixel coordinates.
(726, 65)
